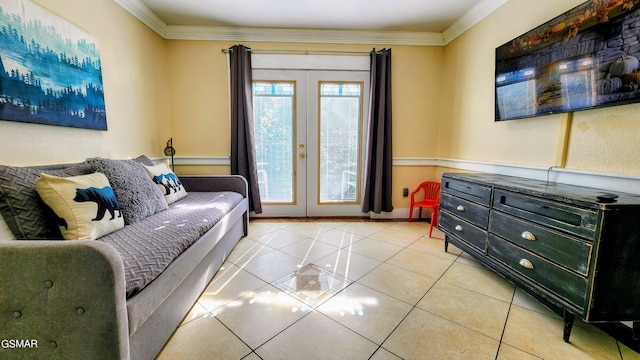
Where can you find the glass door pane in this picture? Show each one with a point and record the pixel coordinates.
(274, 116)
(335, 117)
(309, 130)
(280, 110)
(339, 131)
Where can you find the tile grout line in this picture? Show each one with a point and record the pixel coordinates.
(504, 328)
(234, 334)
(437, 280)
(315, 309)
(414, 306)
(412, 309)
(501, 344)
(404, 244)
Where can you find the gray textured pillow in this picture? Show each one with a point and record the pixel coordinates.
(143, 159)
(138, 196)
(26, 215)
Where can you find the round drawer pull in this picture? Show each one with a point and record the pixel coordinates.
(460, 208)
(528, 236)
(458, 228)
(526, 263)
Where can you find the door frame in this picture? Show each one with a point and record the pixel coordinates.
(298, 208)
(315, 77)
(264, 66)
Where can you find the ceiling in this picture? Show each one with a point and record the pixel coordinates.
(398, 15)
(419, 22)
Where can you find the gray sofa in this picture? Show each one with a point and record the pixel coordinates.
(120, 296)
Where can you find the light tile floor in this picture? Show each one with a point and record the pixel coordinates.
(400, 297)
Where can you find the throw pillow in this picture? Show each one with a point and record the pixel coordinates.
(25, 214)
(144, 160)
(86, 206)
(139, 197)
(167, 182)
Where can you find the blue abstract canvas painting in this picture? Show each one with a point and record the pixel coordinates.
(50, 70)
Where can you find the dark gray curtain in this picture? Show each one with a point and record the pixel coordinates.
(378, 157)
(243, 150)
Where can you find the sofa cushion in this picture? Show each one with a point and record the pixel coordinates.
(20, 206)
(167, 182)
(138, 195)
(86, 206)
(148, 247)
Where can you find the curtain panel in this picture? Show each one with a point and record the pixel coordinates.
(378, 157)
(243, 150)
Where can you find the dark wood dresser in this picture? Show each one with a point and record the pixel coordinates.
(576, 249)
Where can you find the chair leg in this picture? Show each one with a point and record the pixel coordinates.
(410, 213)
(434, 220)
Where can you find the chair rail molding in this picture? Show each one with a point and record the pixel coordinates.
(196, 160)
(613, 181)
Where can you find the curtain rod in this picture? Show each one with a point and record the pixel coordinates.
(303, 52)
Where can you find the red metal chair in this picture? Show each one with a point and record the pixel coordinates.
(430, 200)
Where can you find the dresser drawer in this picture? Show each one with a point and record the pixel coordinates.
(566, 284)
(575, 220)
(466, 190)
(564, 250)
(466, 210)
(463, 230)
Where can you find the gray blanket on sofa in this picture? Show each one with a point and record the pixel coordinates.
(148, 247)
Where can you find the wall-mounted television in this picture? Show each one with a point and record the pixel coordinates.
(585, 58)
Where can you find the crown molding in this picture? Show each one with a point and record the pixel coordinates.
(303, 35)
(144, 14)
(476, 14)
(226, 33)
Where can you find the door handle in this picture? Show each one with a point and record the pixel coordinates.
(302, 156)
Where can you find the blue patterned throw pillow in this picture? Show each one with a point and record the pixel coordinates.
(167, 182)
(86, 206)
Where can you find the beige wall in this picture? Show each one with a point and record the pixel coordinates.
(200, 99)
(135, 82)
(200, 110)
(598, 140)
(443, 102)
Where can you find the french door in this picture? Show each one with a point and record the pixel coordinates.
(309, 127)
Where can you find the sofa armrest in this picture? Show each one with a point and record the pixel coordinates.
(65, 299)
(234, 183)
